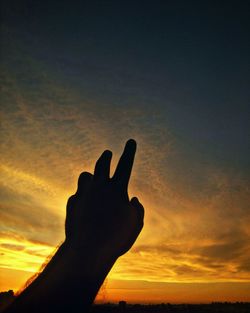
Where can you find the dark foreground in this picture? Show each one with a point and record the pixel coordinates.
(172, 308)
(226, 307)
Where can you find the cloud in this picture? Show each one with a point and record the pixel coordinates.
(18, 253)
(226, 251)
(197, 214)
(190, 259)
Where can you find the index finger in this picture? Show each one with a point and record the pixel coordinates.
(125, 164)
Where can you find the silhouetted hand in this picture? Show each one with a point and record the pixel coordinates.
(101, 224)
(100, 214)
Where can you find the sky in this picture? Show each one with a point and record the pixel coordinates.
(79, 77)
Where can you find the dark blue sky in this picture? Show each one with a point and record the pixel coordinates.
(187, 59)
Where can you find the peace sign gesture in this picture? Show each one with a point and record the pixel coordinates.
(100, 214)
(101, 224)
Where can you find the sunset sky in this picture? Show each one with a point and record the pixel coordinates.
(79, 77)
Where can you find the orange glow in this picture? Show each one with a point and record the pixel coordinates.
(193, 248)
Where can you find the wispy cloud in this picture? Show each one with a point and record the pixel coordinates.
(197, 215)
(18, 253)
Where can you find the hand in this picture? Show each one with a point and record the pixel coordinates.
(101, 224)
(100, 214)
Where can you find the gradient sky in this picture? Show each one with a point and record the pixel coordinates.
(79, 77)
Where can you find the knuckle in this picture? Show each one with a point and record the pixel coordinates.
(84, 176)
(71, 201)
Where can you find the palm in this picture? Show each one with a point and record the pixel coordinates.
(100, 213)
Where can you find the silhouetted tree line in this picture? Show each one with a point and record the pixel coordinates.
(7, 297)
(225, 307)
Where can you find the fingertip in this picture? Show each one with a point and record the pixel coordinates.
(84, 176)
(131, 144)
(125, 164)
(83, 180)
(102, 166)
(108, 153)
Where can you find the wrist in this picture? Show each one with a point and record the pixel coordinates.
(95, 260)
